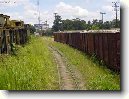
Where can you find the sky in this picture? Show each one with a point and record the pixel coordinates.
(26, 10)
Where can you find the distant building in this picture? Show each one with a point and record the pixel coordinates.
(41, 26)
(45, 26)
(38, 26)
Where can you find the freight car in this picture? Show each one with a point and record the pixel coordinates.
(105, 45)
(11, 32)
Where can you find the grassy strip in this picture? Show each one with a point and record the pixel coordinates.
(97, 77)
(32, 68)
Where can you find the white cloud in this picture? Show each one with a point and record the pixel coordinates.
(126, 2)
(69, 11)
(29, 12)
(75, 11)
(108, 8)
(110, 11)
(113, 0)
(93, 15)
(87, 1)
(12, 3)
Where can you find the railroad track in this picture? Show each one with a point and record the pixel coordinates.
(69, 77)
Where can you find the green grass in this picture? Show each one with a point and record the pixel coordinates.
(96, 77)
(32, 68)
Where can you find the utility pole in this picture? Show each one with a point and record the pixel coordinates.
(55, 15)
(57, 22)
(116, 10)
(47, 25)
(102, 13)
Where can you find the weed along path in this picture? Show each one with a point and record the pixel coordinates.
(77, 71)
(70, 78)
(43, 64)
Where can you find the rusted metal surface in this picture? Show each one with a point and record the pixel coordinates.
(106, 46)
(12, 32)
(8, 37)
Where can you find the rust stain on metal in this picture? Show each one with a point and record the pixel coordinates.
(106, 46)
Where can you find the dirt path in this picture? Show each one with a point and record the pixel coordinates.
(70, 78)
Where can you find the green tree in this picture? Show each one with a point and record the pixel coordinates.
(95, 27)
(95, 22)
(32, 29)
(74, 24)
(67, 24)
(89, 25)
(57, 24)
(114, 23)
(107, 25)
(79, 24)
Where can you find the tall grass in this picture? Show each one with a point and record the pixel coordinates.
(97, 77)
(32, 68)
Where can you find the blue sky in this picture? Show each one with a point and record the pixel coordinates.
(26, 10)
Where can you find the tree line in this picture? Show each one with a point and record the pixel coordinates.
(78, 24)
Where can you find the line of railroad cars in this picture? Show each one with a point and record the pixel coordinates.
(12, 32)
(106, 46)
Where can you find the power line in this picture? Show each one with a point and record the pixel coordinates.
(116, 10)
(5, 2)
(102, 13)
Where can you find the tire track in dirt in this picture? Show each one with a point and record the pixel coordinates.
(69, 77)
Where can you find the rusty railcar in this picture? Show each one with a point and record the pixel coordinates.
(11, 32)
(106, 46)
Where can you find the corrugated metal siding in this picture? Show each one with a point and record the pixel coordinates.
(106, 46)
